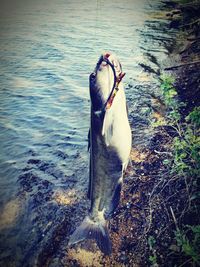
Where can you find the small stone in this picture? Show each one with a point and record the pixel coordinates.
(174, 248)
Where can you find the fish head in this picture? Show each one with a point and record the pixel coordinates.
(103, 79)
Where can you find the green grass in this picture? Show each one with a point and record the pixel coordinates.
(185, 164)
(188, 240)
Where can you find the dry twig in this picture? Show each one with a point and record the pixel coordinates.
(183, 64)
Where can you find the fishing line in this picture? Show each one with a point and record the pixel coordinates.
(96, 23)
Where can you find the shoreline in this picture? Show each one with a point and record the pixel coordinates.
(156, 223)
(159, 196)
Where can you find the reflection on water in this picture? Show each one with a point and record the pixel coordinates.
(47, 51)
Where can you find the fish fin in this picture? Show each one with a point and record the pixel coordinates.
(115, 200)
(107, 129)
(96, 230)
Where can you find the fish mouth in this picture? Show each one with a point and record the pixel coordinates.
(103, 79)
(105, 60)
(108, 60)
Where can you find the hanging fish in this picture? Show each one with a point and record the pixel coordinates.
(110, 146)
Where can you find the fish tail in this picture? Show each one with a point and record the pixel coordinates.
(93, 229)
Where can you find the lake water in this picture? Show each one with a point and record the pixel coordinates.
(47, 51)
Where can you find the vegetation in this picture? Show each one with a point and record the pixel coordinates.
(152, 257)
(188, 241)
(185, 166)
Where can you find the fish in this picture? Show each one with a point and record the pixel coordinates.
(110, 142)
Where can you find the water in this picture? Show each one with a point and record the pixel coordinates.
(48, 50)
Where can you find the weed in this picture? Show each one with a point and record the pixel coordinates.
(151, 242)
(153, 256)
(188, 240)
(153, 260)
(171, 102)
(194, 117)
(186, 166)
(187, 149)
(187, 144)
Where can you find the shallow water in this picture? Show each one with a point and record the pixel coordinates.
(47, 51)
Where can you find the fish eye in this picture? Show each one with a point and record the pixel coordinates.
(104, 63)
(92, 75)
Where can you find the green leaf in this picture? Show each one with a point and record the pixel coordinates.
(151, 242)
(166, 161)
